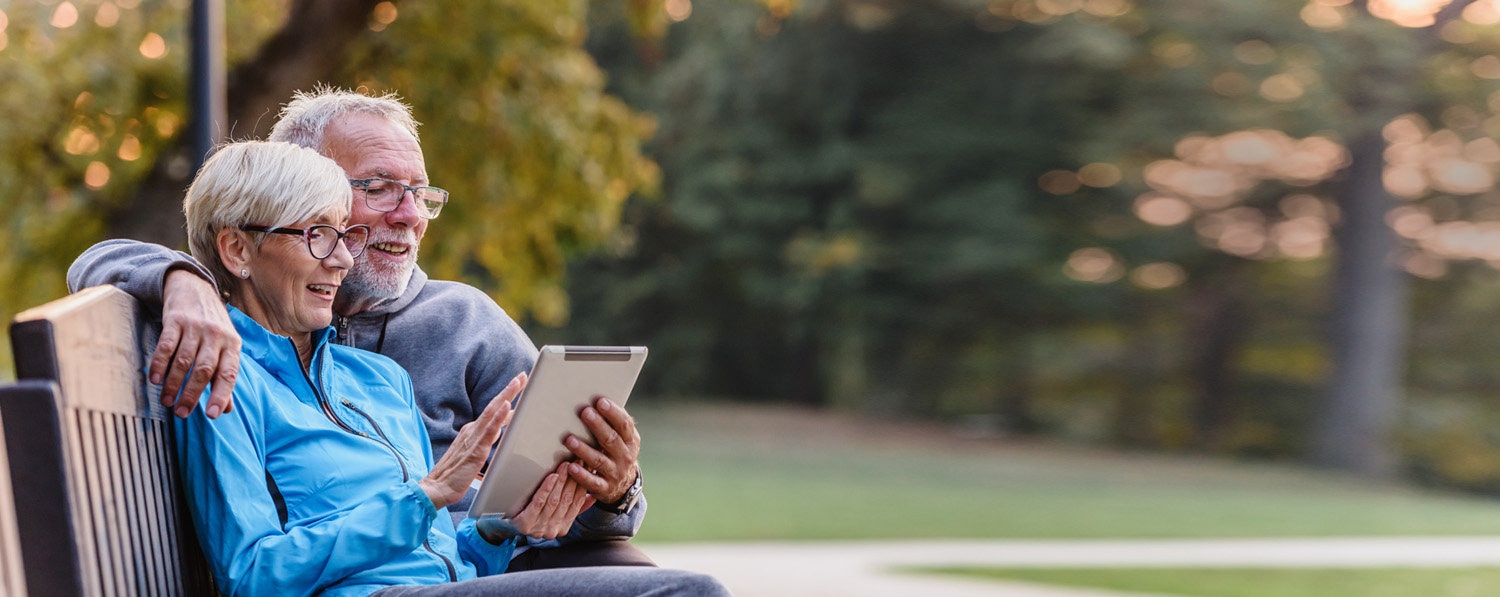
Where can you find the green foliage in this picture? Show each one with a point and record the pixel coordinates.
(1449, 433)
(77, 134)
(855, 193)
(538, 158)
(517, 126)
(856, 211)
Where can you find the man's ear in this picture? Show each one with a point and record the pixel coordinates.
(235, 249)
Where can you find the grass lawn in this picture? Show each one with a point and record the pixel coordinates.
(1253, 582)
(734, 472)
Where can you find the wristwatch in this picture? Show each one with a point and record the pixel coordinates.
(628, 500)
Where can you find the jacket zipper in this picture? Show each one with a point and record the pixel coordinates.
(405, 476)
(323, 401)
(328, 411)
(385, 441)
(452, 574)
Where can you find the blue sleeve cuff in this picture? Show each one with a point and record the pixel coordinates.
(488, 558)
(429, 509)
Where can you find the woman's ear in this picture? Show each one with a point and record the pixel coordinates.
(235, 250)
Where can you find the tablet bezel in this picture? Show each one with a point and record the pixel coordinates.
(564, 380)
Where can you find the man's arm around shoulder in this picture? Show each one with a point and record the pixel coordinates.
(198, 344)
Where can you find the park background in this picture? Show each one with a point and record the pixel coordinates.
(1061, 239)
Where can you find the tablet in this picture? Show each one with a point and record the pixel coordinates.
(564, 380)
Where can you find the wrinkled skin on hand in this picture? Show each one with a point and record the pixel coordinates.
(451, 476)
(199, 347)
(608, 471)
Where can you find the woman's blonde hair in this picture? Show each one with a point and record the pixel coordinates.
(264, 183)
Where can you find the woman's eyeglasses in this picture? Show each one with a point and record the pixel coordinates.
(322, 238)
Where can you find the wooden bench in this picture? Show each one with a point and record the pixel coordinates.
(94, 502)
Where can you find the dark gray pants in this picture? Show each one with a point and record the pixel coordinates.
(603, 581)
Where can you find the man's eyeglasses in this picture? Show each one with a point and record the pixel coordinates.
(322, 238)
(384, 195)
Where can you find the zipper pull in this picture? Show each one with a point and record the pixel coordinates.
(350, 405)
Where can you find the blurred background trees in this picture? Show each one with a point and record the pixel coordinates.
(1168, 224)
(1253, 228)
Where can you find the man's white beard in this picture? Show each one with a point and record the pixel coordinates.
(372, 280)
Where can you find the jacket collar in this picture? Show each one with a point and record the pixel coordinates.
(273, 351)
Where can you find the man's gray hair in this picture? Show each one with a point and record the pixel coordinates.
(304, 119)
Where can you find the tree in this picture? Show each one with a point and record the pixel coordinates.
(538, 158)
(881, 178)
(853, 184)
(1370, 317)
(1344, 75)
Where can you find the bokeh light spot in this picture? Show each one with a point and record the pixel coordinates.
(153, 46)
(1156, 276)
(1485, 12)
(1095, 265)
(1100, 175)
(96, 175)
(64, 16)
(1107, 8)
(1281, 88)
(107, 16)
(1059, 182)
(1486, 67)
(678, 10)
(1322, 16)
(1161, 210)
(81, 141)
(1231, 84)
(130, 149)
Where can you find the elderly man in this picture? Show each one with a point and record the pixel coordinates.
(458, 345)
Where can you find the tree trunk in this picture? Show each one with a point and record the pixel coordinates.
(1368, 319)
(1016, 399)
(1133, 422)
(1216, 330)
(1367, 329)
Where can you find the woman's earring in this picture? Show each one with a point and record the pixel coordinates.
(244, 273)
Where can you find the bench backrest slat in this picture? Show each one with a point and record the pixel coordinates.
(119, 516)
(12, 579)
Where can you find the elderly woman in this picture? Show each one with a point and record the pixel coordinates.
(321, 480)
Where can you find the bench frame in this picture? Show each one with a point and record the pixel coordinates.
(96, 489)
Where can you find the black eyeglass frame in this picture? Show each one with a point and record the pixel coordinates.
(306, 234)
(427, 212)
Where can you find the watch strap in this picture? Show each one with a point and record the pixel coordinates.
(627, 501)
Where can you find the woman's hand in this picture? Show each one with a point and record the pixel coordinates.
(455, 471)
(553, 507)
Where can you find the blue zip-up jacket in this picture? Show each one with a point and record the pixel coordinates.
(309, 486)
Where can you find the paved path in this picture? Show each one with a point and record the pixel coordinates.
(819, 569)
